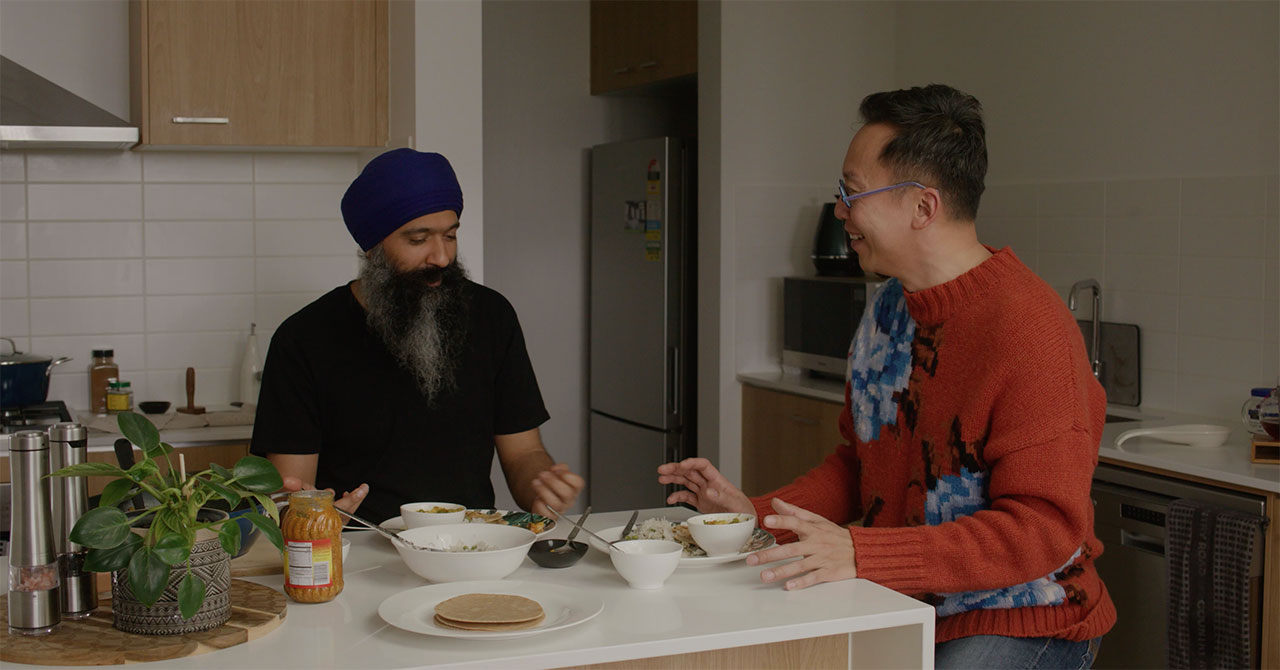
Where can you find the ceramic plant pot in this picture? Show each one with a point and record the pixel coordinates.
(210, 562)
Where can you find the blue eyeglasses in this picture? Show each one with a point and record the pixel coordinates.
(848, 199)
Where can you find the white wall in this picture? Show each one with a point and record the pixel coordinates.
(1136, 143)
(790, 79)
(539, 124)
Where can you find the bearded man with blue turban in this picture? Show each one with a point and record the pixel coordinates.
(397, 387)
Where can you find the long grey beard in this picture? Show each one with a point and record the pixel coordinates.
(423, 326)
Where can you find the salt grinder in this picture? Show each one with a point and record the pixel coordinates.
(69, 445)
(33, 561)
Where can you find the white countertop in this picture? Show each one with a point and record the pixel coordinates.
(187, 437)
(1227, 464)
(699, 609)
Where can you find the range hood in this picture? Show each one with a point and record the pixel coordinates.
(36, 113)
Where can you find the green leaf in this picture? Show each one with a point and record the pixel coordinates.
(164, 450)
(90, 470)
(224, 492)
(190, 594)
(101, 528)
(229, 536)
(265, 503)
(115, 558)
(256, 473)
(143, 469)
(148, 575)
(268, 528)
(172, 549)
(222, 472)
(115, 491)
(140, 431)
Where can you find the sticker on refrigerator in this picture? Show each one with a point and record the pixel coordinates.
(635, 216)
(652, 251)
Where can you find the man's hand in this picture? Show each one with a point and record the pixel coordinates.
(826, 548)
(708, 490)
(349, 501)
(556, 487)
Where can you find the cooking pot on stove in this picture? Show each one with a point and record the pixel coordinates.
(24, 378)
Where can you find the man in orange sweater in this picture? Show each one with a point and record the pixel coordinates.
(972, 418)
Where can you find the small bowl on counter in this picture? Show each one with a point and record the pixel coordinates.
(420, 514)
(541, 552)
(500, 551)
(646, 564)
(154, 406)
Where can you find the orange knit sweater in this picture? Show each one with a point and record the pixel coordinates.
(972, 423)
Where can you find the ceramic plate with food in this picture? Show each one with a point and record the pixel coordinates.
(662, 528)
(540, 525)
(489, 614)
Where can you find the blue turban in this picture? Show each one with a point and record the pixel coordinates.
(396, 188)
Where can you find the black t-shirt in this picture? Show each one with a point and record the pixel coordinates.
(331, 387)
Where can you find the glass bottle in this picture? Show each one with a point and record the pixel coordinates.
(1249, 411)
(101, 370)
(119, 396)
(1269, 414)
(312, 532)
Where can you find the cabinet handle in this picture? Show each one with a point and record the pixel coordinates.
(804, 419)
(221, 120)
(648, 64)
(622, 70)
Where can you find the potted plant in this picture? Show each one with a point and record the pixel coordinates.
(142, 549)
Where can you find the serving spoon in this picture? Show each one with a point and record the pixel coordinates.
(394, 537)
(584, 529)
(566, 547)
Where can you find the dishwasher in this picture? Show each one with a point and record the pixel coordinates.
(1129, 518)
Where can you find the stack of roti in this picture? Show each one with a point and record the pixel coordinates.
(489, 612)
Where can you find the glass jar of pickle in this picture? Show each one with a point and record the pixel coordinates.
(312, 532)
(119, 396)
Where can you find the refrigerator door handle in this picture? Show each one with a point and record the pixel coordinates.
(673, 383)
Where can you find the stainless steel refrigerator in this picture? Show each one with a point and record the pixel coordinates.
(641, 322)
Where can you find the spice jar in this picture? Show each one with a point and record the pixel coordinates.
(119, 396)
(101, 371)
(1269, 414)
(312, 533)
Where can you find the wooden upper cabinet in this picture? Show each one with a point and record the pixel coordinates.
(639, 42)
(295, 73)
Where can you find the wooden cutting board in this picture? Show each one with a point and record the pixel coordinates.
(255, 611)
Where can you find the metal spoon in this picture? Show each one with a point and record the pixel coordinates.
(394, 537)
(564, 548)
(582, 528)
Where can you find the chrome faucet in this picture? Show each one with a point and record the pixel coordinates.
(1092, 285)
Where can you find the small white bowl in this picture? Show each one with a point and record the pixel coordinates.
(414, 518)
(646, 564)
(511, 544)
(720, 539)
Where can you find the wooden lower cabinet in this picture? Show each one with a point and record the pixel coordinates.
(784, 436)
(197, 458)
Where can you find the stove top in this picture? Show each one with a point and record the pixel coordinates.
(33, 417)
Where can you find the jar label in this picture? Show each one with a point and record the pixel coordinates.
(118, 402)
(308, 564)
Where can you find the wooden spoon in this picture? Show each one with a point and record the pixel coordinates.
(191, 407)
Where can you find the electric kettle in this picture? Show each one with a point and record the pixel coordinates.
(831, 254)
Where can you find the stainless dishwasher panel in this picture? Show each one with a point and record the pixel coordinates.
(1129, 519)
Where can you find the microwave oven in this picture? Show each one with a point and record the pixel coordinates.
(819, 316)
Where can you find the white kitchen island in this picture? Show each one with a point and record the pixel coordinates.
(713, 616)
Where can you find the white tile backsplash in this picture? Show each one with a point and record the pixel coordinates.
(1153, 274)
(1142, 199)
(1218, 357)
(13, 279)
(314, 274)
(13, 240)
(86, 316)
(199, 276)
(1224, 237)
(298, 201)
(1221, 277)
(12, 166)
(129, 351)
(197, 202)
(1220, 317)
(86, 277)
(1071, 200)
(290, 168)
(191, 313)
(13, 202)
(179, 167)
(1158, 350)
(13, 318)
(199, 238)
(1071, 235)
(299, 238)
(271, 309)
(84, 166)
(213, 386)
(1223, 197)
(1153, 236)
(84, 202)
(84, 239)
(217, 349)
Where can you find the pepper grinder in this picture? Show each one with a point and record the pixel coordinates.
(69, 445)
(33, 564)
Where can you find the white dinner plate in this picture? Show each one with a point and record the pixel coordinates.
(414, 610)
(396, 523)
(760, 539)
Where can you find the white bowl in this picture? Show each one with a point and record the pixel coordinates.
(416, 519)
(720, 539)
(646, 564)
(511, 545)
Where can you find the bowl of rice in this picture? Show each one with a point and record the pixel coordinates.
(660, 528)
(465, 551)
